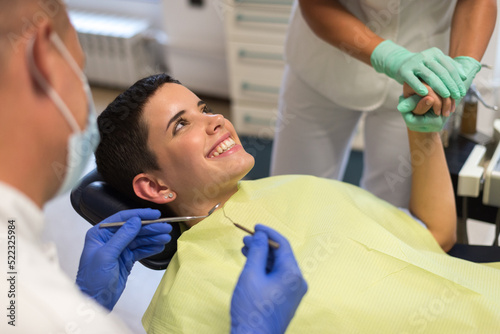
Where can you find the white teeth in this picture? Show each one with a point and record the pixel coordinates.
(224, 146)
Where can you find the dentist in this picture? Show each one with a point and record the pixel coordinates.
(47, 134)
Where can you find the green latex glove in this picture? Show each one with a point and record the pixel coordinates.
(438, 70)
(430, 122)
(471, 68)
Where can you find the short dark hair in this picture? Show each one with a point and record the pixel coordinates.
(123, 151)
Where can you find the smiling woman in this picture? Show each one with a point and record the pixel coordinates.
(368, 264)
(124, 153)
(160, 138)
(184, 136)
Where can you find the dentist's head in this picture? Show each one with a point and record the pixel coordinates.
(47, 128)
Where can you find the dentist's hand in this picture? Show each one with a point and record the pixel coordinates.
(109, 254)
(443, 74)
(270, 286)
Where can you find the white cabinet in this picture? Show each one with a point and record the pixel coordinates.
(255, 36)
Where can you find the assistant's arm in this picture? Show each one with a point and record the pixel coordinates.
(471, 28)
(472, 25)
(432, 199)
(333, 23)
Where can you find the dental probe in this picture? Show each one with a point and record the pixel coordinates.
(272, 243)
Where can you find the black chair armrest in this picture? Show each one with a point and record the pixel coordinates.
(475, 253)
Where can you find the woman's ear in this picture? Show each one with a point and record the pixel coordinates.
(150, 189)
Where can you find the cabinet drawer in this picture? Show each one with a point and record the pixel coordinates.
(264, 88)
(254, 24)
(255, 121)
(255, 60)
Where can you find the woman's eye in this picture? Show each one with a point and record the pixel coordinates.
(179, 125)
(207, 110)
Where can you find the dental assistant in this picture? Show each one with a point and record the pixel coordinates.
(346, 59)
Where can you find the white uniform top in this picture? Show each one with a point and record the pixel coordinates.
(41, 297)
(414, 24)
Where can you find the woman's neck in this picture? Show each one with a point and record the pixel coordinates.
(200, 205)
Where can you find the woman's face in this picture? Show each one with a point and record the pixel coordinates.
(199, 152)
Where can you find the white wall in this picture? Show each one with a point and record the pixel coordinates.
(194, 46)
(137, 8)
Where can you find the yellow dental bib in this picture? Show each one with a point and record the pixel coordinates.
(370, 268)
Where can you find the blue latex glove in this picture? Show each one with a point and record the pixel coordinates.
(109, 253)
(429, 122)
(270, 286)
(444, 75)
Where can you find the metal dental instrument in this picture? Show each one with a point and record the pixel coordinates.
(271, 243)
(164, 220)
(474, 91)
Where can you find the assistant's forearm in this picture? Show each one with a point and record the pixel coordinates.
(471, 28)
(432, 199)
(334, 24)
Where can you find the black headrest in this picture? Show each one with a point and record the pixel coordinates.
(95, 200)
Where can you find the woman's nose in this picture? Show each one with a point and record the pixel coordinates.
(215, 122)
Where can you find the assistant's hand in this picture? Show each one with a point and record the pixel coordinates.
(471, 68)
(425, 114)
(109, 254)
(443, 74)
(270, 286)
(432, 121)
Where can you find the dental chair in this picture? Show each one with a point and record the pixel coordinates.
(95, 200)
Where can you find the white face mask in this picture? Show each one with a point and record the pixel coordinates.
(81, 144)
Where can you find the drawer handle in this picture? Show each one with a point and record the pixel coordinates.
(248, 119)
(245, 86)
(261, 19)
(267, 2)
(260, 55)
